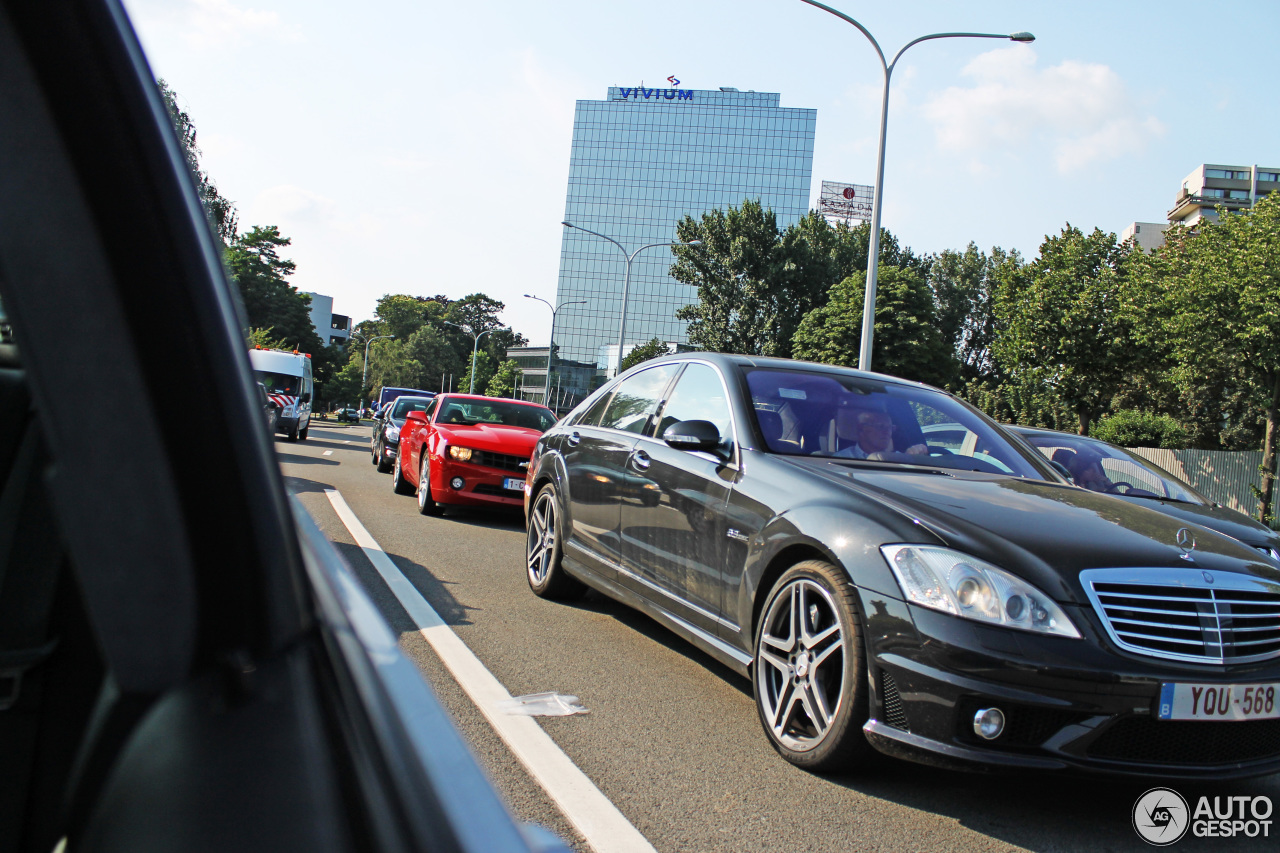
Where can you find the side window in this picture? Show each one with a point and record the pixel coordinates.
(431, 407)
(698, 396)
(593, 415)
(636, 399)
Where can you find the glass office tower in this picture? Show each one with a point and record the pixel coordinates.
(641, 161)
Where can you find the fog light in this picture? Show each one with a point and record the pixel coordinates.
(456, 482)
(988, 723)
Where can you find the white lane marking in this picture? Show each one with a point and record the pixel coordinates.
(327, 453)
(591, 813)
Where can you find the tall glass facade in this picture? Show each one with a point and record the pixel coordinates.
(641, 161)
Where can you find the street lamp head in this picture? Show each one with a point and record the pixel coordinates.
(1025, 38)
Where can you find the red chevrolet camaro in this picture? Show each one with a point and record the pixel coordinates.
(468, 450)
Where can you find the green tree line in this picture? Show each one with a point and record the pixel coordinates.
(1179, 347)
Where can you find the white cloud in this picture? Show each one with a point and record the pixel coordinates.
(1081, 112)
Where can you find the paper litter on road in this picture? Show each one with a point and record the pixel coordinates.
(542, 705)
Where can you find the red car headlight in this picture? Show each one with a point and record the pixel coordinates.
(461, 454)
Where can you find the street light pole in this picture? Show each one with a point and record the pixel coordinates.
(626, 281)
(474, 348)
(873, 250)
(364, 373)
(546, 393)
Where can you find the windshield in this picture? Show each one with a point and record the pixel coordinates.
(828, 414)
(1103, 467)
(279, 383)
(464, 412)
(405, 405)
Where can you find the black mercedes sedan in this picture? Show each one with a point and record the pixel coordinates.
(1103, 467)
(957, 603)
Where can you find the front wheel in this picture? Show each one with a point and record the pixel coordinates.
(544, 552)
(426, 505)
(810, 674)
(399, 484)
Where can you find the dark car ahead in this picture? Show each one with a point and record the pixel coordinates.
(387, 423)
(186, 663)
(955, 603)
(1113, 470)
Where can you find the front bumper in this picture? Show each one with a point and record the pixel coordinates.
(481, 485)
(1076, 705)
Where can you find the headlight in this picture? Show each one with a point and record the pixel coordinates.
(462, 454)
(955, 583)
(392, 434)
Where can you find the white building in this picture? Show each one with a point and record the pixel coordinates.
(332, 328)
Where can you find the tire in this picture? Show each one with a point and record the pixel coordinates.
(384, 466)
(376, 453)
(399, 484)
(302, 433)
(426, 505)
(292, 434)
(544, 551)
(811, 690)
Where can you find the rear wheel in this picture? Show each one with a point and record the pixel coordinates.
(399, 484)
(810, 674)
(426, 505)
(544, 552)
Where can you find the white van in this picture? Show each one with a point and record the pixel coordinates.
(287, 377)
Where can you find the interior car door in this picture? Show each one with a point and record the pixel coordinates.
(672, 535)
(596, 451)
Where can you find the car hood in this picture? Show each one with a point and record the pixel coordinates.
(1234, 524)
(1046, 532)
(498, 438)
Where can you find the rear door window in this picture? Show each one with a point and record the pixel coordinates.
(637, 398)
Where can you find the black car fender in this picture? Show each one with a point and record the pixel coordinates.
(827, 531)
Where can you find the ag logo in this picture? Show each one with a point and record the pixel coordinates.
(1160, 816)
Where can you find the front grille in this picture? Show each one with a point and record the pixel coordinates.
(489, 489)
(501, 461)
(1152, 741)
(894, 714)
(1188, 614)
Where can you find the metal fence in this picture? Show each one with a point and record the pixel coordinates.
(1223, 476)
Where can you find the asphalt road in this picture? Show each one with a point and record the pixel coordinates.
(672, 737)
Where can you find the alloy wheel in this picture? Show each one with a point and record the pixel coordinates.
(542, 538)
(800, 666)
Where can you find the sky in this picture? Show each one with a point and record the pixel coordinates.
(423, 147)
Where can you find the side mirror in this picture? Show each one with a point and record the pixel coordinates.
(692, 435)
(417, 416)
(305, 398)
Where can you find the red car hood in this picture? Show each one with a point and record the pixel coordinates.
(497, 438)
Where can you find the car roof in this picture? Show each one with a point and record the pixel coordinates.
(775, 363)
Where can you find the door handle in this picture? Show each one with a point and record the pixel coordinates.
(573, 439)
(640, 460)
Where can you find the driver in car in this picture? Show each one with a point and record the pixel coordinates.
(1086, 471)
(873, 433)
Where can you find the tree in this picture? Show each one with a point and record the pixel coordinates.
(908, 342)
(485, 367)
(654, 348)
(743, 305)
(505, 380)
(262, 339)
(1061, 323)
(219, 210)
(964, 287)
(1213, 296)
(1130, 428)
(269, 301)
(756, 284)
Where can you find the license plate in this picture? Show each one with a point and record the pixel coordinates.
(512, 484)
(1219, 701)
